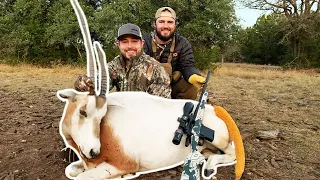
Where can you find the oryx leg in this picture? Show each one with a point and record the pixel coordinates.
(101, 172)
(221, 141)
(229, 156)
(74, 169)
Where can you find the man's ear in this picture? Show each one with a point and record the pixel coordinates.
(177, 22)
(153, 24)
(142, 42)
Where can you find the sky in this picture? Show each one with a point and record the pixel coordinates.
(248, 17)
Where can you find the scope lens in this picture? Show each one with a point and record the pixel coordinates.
(177, 137)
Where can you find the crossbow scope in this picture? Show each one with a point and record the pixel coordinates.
(184, 121)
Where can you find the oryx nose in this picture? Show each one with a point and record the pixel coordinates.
(94, 154)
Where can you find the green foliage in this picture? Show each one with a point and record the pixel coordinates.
(300, 30)
(269, 41)
(47, 32)
(205, 57)
(261, 44)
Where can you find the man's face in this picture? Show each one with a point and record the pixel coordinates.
(165, 26)
(130, 46)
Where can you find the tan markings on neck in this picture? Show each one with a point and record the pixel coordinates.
(73, 144)
(96, 128)
(100, 102)
(112, 152)
(69, 113)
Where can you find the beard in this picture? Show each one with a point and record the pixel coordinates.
(164, 38)
(128, 53)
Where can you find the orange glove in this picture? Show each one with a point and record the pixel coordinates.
(197, 81)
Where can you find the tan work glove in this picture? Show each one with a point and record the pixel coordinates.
(197, 81)
(84, 83)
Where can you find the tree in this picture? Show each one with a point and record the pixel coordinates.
(301, 17)
(22, 27)
(262, 43)
(204, 23)
(48, 30)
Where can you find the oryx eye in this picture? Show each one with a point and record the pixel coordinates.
(83, 113)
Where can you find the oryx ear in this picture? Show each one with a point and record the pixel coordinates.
(66, 94)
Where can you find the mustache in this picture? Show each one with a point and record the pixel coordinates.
(169, 29)
(131, 49)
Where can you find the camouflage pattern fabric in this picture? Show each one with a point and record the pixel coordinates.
(84, 84)
(191, 169)
(142, 73)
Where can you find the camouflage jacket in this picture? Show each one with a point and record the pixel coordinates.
(142, 73)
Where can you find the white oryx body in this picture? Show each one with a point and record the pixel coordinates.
(135, 134)
(146, 124)
(121, 133)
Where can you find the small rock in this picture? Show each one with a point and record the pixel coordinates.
(272, 100)
(267, 135)
(23, 141)
(302, 103)
(274, 163)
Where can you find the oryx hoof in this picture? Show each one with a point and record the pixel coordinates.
(74, 169)
(208, 172)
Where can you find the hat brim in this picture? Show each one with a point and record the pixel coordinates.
(133, 35)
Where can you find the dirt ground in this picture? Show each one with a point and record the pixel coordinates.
(259, 98)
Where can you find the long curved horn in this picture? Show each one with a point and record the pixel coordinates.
(91, 63)
(103, 69)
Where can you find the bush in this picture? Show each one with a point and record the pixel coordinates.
(204, 57)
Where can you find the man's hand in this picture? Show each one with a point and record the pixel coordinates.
(84, 84)
(197, 81)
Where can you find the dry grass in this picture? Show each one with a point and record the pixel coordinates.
(33, 77)
(261, 72)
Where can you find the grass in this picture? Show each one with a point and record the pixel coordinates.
(247, 71)
(21, 77)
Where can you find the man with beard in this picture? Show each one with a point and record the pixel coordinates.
(174, 52)
(132, 70)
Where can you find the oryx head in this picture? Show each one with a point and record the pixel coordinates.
(83, 112)
(81, 120)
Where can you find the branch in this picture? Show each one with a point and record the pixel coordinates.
(312, 2)
(274, 5)
(307, 7)
(294, 4)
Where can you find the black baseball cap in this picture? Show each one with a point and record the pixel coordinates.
(129, 29)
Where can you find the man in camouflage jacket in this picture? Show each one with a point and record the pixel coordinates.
(132, 70)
